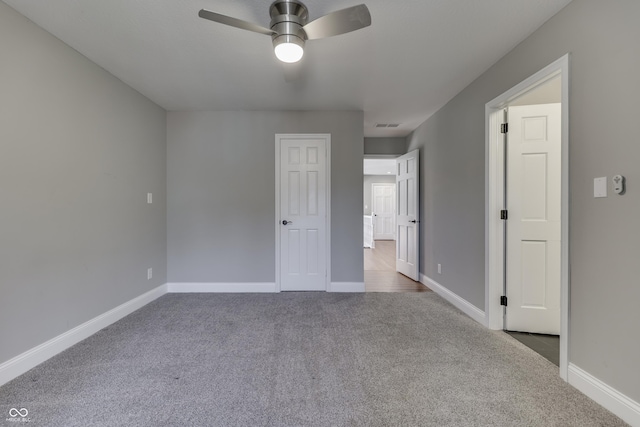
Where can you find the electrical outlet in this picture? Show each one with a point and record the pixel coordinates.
(439, 268)
(149, 273)
(149, 198)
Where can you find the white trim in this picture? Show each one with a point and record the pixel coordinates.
(31, 358)
(606, 396)
(494, 233)
(327, 138)
(566, 197)
(328, 222)
(192, 287)
(493, 188)
(465, 306)
(381, 156)
(346, 287)
(277, 212)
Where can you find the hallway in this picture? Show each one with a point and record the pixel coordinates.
(380, 271)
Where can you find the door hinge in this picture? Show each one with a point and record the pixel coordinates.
(503, 300)
(504, 128)
(504, 214)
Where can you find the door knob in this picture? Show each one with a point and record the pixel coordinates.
(285, 222)
(413, 221)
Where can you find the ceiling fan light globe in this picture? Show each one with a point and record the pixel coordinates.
(289, 52)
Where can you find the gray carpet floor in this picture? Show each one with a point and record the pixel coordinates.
(299, 359)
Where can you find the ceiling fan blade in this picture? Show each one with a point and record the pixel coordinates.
(339, 22)
(233, 22)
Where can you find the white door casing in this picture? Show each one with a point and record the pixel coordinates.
(383, 210)
(302, 212)
(494, 193)
(407, 215)
(534, 219)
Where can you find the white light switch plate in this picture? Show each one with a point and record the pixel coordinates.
(600, 187)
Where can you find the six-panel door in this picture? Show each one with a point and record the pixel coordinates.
(383, 208)
(533, 226)
(408, 215)
(303, 211)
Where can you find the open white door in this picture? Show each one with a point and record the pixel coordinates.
(302, 221)
(383, 203)
(534, 219)
(407, 215)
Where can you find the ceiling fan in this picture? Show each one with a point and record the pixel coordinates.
(290, 29)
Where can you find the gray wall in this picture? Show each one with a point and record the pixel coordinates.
(221, 186)
(384, 146)
(79, 152)
(373, 179)
(602, 38)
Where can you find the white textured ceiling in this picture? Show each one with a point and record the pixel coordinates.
(415, 57)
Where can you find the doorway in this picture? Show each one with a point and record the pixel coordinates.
(380, 210)
(533, 233)
(527, 211)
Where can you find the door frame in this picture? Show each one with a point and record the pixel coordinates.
(389, 184)
(327, 140)
(494, 187)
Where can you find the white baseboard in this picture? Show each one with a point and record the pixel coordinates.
(467, 308)
(346, 287)
(20, 364)
(606, 396)
(221, 287)
(251, 287)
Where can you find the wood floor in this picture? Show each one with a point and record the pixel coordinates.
(380, 271)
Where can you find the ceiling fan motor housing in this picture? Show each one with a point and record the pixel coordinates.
(287, 19)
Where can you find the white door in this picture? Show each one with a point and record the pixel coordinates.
(533, 224)
(407, 215)
(383, 211)
(302, 220)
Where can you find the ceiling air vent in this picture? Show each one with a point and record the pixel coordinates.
(381, 125)
(393, 125)
(387, 125)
